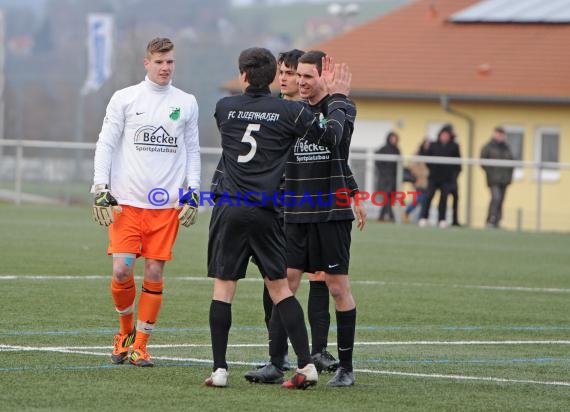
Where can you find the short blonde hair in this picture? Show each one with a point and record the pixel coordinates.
(159, 45)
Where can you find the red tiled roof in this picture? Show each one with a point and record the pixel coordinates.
(415, 52)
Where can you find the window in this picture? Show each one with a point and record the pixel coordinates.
(515, 138)
(547, 144)
(368, 136)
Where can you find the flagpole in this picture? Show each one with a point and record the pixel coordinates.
(79, 125)
(99, 50)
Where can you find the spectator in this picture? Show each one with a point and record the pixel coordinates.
(442, 177)
(387, 172)
(498, 177)
(455, 196)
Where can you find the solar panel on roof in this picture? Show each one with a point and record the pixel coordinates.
(515, 11)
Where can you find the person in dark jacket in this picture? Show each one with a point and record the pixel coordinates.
(442, 177)
(454, 192)
(498, 177)
(386, 172)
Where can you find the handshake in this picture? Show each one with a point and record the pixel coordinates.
(105, 204)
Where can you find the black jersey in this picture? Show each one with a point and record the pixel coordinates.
(316, 174)
(257, 132)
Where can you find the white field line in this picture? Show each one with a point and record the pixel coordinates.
(258, 279)
(9, 348)
(81, 351)
(463, 377)
(370, 371)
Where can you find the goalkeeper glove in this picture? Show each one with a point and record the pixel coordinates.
(188, 206)
(103, 205)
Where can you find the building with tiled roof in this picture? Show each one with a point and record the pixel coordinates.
(475, 64)
(420, 51)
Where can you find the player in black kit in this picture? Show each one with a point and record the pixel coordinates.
(322, 235)
(257, 132)
(318, 227)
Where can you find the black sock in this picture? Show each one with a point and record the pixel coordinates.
(277, 339)
(267, 306)
(220, 323)
(319, 316)
(346, 325)
(293, 320)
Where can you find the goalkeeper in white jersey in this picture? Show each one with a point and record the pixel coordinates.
(146, 181)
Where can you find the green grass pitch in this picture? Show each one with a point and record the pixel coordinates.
(448, 320)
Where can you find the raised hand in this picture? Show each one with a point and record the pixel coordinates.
(336, 77)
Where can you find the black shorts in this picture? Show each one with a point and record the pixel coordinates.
(282, 225)
(313, 247)
(238, 233)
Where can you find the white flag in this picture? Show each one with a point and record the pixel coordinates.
(99, 48)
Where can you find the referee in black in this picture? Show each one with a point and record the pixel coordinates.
(257, 133)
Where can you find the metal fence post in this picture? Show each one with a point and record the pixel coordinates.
(18, 176)
(396, 208)
(538, 195)
(369, 177)
(369, 172)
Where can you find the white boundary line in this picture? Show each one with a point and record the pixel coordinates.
(257, 279)
(8, 348)
(79, 351)
(464, 377)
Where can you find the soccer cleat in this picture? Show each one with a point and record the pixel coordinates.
(140, 357)
(342, 378)
(268, 373)
(286, 366)
(324, 361)
(303, 378)
(122, 345)
(218, 378)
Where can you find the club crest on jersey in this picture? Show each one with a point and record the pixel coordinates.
(174, 113)
(322, 121)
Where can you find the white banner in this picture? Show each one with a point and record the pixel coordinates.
(99, 48)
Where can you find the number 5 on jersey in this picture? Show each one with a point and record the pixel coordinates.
(249, 139)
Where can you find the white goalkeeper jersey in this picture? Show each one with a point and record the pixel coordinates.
(148, 148)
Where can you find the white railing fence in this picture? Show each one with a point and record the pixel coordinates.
(363, 165)
(36, 171)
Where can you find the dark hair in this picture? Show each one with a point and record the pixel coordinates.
(314, 57)
(259, 66)
(290, 58)
(449, 129)
(390, 134)
(500, 129)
